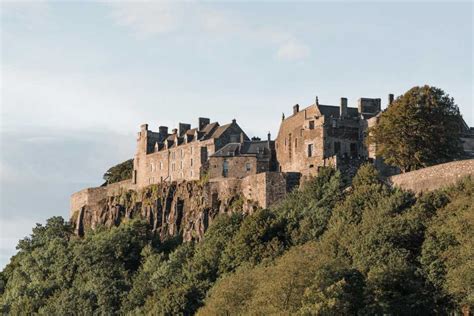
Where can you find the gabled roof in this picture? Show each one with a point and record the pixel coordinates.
(335, 111)
(220, 130)
(247, 148)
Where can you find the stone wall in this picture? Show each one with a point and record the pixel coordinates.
(237, 166)
(297, 133)
(92, 196)
(434, 177)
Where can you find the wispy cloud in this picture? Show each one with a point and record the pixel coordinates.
(148, 19)
(292, 50)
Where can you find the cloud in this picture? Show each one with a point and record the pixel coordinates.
(292, 50)
(148, 19)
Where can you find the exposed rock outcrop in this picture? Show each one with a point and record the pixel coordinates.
(172, 209)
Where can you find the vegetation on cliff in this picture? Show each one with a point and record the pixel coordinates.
(120, 172)
(325, 250)
(419, 129)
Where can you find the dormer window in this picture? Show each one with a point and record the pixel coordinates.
(311, 124)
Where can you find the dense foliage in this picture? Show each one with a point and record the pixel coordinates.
(420, 128)
(120, 172)
(325, 250)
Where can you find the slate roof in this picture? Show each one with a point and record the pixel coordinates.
(334, 111)
(247, 148)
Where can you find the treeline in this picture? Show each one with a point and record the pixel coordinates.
(327, 249)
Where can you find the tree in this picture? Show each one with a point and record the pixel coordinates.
(420, 128)
(120, 172)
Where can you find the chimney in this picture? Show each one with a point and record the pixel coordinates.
(144, 127)
(296, 108)
(343, 108)
(163, 130)
(203, 121)
(234, 121)
(174, 131)
(183, 128)
(390, 99)
(269, 136)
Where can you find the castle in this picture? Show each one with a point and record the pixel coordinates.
(316, 136)
(262, 171)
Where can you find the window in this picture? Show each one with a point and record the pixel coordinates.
(181, 165)
(289, 146)
(353, 149)
(172, 167)
(248, 167)
(191, 173)
(191, 163)
(296, 143)
(311, 124)
(191, 150)
(152, 165)
(310, 150)
(225, 168)
(181, 153)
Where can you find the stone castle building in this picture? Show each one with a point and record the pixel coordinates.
(261, 171)
(324, 135)
(181, 154)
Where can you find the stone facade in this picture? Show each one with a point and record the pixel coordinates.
(181, 155)
(311, 137)
(238, 160)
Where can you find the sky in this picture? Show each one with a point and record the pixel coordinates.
(78, 78)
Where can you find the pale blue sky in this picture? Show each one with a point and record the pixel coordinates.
(78, 78)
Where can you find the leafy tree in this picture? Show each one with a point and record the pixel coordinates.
(261, 236)
(120, 172)
(306, 211)
(420, 128)
(448, 251)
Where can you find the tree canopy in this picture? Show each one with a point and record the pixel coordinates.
(323, 250)
(420, 128)
(120, 172)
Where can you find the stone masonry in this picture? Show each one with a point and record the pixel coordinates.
(208, 168)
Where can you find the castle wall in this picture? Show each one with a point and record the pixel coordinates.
(435, 177)
(297, 134)
(237, 166)
(92, 196)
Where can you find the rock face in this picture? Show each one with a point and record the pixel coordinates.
(172, 209)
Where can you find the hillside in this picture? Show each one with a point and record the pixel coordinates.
(325, 249)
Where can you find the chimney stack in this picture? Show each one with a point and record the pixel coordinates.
(203, 121)
(390, 99)
(183, 128)
(174, 131)
(296, 108)
(343, 108)
(144, 127)
(269, 136)
(234, 121)
(163, 130)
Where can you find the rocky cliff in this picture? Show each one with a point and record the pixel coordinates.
(172, 209)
